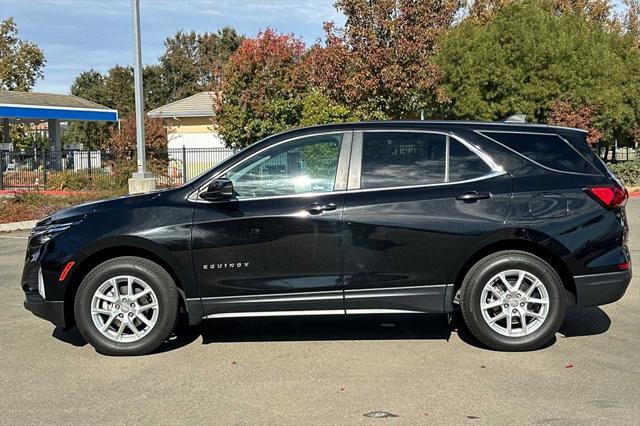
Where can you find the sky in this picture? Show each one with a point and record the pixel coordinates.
(77, 35)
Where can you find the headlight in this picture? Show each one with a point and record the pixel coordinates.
(46, 232)
(41, 284)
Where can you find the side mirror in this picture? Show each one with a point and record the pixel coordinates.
(218, 190)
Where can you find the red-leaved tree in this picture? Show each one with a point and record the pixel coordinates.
(564, 113)
(122, 147)
(380, 62)
(260, 91)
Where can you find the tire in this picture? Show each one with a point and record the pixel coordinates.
(150, 284)
(500, 327)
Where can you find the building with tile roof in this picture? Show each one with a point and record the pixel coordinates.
(189, 122)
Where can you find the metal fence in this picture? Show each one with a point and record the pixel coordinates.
(627, 153)
(94, 169)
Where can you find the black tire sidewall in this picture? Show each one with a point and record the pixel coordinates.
(487, 269)
(152, 274)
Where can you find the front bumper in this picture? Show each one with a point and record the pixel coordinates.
(600, 289)
(50, 310)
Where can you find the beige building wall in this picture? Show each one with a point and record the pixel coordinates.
(192, 132)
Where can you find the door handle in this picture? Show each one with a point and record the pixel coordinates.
(317, 208)
(473, 196)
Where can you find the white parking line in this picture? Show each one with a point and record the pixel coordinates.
(13, 238)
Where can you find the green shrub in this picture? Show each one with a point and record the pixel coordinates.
(98, 179)
(67, 181)
(627, 171)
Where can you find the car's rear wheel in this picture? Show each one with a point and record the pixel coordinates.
(126, 306)
(513, 301)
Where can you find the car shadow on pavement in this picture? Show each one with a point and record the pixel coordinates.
(585, 322)
(360, 327)
(578, 322)
(71, 336)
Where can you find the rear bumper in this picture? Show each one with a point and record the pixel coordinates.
(49, 310)
(600, 289)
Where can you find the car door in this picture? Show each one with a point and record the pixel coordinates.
(417, 203)
(275, 247)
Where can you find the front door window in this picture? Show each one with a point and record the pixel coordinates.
(306, 165)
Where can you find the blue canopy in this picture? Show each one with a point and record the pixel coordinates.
(30, 106)
(31, 112)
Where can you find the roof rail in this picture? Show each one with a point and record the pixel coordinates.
(516, 118)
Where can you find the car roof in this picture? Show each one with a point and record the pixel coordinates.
(438, 124)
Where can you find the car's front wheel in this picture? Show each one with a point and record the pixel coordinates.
(126, 306)
(513, 301)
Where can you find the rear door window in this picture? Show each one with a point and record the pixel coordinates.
(465, 164)
(392, 159)
(548, 150)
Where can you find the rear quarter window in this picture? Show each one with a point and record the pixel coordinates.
(548, 150)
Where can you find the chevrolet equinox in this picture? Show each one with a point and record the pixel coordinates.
(510, 222)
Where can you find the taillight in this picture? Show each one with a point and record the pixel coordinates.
(624, 266)
(609, 196)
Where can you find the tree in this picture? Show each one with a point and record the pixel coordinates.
(156, 89)
(191, 62)
(319, 109)
(381, 62)
(563, 113)
(122, 142)
(260, 91)
(214, 51)
(88, 85)
(114, 90)
(122, 145)
(528, 58)
(631, 21)
(600, 11)
(21, 62)
(118, 83)
(483, 11)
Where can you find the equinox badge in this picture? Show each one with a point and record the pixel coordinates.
(237, 265)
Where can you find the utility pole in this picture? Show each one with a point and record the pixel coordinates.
(141, 181)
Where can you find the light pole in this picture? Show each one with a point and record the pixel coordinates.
(141, 181)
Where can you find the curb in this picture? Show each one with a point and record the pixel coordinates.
(17, 226)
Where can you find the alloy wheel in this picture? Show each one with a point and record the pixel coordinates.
(124, 309)
(514, 303)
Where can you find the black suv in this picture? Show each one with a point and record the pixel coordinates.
(512, 222)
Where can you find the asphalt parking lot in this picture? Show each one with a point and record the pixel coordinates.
(322, 370)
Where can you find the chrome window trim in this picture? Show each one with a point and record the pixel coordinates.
(309, 312)
(480, 132)
(581, 155)
(275, 313)
(355, 165)
(356, 143)
(427, 185)
(193, 196)
(496, 170)
(381, 311)
(447, 144)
